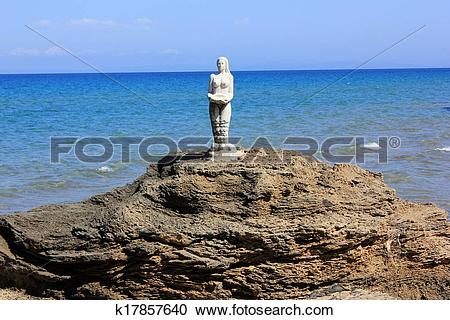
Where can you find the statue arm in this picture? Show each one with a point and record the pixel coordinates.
(231, 88)
(210, 88)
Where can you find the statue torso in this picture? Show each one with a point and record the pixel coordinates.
(220, 83)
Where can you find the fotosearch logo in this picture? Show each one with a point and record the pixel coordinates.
(330, 149)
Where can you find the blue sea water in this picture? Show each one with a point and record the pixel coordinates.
(412, 104)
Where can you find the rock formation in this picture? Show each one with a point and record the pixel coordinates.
(256, 229)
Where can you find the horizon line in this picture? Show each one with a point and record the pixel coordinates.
(200, 71)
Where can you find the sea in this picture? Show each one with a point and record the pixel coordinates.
(410, 107)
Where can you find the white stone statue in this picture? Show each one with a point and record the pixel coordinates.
(220, 94)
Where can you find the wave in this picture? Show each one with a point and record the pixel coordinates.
(371, 145)
(398, 177)
(48, 185)
(446, 149)
(104, 169)
(112, 167)
(9, 193)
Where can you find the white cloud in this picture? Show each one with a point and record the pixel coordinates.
(46, 23)
(242, 21)
(87, 52)
(24, 52)
(170, 51)
(51, 51)
(144, 22)
(54, 51)
(93, 22)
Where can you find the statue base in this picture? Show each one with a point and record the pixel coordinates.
(225, 152)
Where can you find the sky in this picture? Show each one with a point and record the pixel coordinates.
(188, 35)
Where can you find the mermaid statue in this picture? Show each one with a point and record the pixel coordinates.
(220, 94)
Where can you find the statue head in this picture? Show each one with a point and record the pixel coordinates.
(223, 65)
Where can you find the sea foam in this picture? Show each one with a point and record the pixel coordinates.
(104, 169)
(371, 145)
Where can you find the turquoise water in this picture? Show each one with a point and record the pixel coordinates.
(411, 104)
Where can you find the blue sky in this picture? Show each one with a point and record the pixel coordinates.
(184, 35)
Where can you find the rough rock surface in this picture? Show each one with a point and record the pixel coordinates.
(256, 229)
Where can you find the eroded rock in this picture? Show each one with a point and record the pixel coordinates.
(256, 229)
